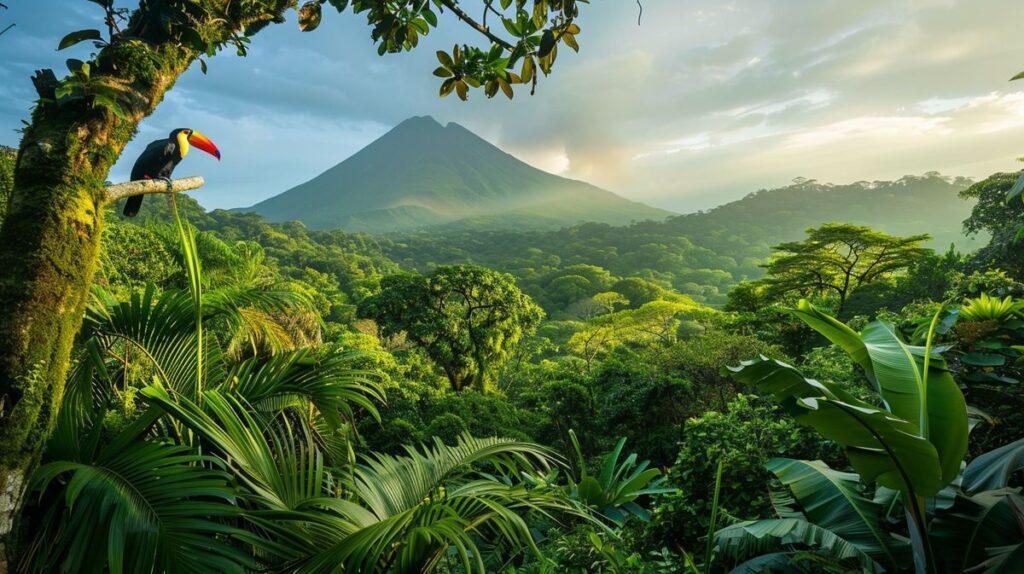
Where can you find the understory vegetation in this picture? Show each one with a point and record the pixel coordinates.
(256, 397)
(816, 378)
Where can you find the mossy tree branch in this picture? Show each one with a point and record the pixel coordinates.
(147, 186)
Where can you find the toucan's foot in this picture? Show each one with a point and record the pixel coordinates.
(166, 180)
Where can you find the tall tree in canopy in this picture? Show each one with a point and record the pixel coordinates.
(468, 319)
(836, 259)
(49, 243)
(1001, 220)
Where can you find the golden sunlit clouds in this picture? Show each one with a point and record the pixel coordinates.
(701, 103)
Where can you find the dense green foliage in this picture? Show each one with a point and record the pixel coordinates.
(82, 120)
(7, 156)
(702, 254)
(1000, 219)
(467, 319)
(325, 362)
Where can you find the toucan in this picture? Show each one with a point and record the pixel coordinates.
(162, 156)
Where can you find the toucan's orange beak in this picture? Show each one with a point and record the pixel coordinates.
(202, 142)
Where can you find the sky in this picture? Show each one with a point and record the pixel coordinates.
(700, 103)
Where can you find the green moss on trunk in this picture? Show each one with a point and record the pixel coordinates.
(49, 248)
(50, 237)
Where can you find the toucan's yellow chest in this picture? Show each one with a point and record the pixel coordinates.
(182, 145)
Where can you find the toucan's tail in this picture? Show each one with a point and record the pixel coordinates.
(131, 207)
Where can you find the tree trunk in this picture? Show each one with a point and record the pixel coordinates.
(49, 246)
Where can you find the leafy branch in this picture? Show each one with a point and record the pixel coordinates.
(532, 32)
(9, 26)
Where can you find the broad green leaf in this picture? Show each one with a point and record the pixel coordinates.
(786, 383)
(420, 26)
(983, 360)
(512, 27)
(1005, 560)
(591, 493)
(505, 87)
(445, 59)
(992, 470)
(547, 43)
(834, 330)
(79, 36)
(755, 538)
(528, 69)
(570, 40)
(1016, 190)
(771, 562)
(897, 371)
(447, 86)
(309, 16)
(976, 525)
(881, 446)
(109, 103)
(833, 500)
(429, 16)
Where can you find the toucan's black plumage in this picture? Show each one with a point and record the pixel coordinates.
(161, 157)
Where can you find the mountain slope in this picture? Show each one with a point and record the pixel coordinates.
(703, 254)
(422, 174)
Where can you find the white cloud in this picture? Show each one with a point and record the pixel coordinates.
(701, 103)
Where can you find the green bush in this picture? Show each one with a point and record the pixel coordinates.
(746, 435)
(639, 398)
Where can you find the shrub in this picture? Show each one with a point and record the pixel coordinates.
(746, 435)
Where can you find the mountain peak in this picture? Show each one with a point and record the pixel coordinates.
(419, 123)
(423, 173)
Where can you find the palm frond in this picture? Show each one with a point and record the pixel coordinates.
(253, 448)
(292, 378)
(160, 326)
(259, 318)
(388, 484)
(140, 507)
(87, 395)
(411, 509)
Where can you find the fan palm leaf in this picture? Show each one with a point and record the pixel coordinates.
(398, 511)
(411, 509)
(139, 506)
(331, 384)
(159, 326)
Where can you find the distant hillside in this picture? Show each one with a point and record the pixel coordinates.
(423, 174)
(907, 206)
(703, 254)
